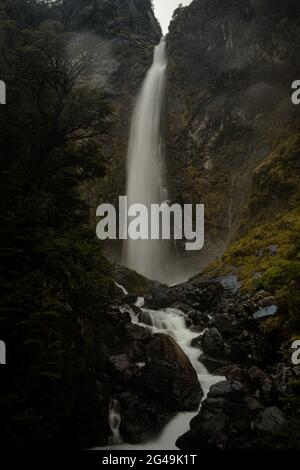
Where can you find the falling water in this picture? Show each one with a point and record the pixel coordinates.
(172, 322)
(145, 168)
(114, 422)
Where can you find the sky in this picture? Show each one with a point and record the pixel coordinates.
(164, 11)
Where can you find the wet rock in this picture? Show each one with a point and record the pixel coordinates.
(270, 421)
(159, 297)
(265, 312)
(164, 348)
(218, 426)
(136, 332)
(204, 295)
(196, 342)
(173, 387)
(120, 363)
(169, 376)
(119, 316)
(130, 299)
(229, 390)
(212, 343)
(240, 351)
(213, 364)
(121, 368)
(198, 319)
(140, 419)
(224, 324)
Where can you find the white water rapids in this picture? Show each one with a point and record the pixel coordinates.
(172, 322)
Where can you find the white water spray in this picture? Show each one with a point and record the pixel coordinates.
(114, 422)
(145, 168)
(172, 322)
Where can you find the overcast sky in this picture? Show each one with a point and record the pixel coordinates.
(164, 10)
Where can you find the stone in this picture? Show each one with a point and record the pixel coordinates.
(266, 302)
(265, 312)
(212, 343)
(231, 390)
(213, 364)
(136, 332)
(120, 363)
(273, 249)
(270, 421)
(168, 375)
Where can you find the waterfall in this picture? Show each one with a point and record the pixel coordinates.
(172, 322)
(145, 168)
(114, 422)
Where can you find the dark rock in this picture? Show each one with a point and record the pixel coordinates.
(199, 320)
(229, 390)
(270, 421)
(168, 375)
(240, 351)
(253, 403)
(159, 297)
(196, 342)
(204, 296)
(212, 343)
(119, 316)
(141, 419)
(224, 325)
(175, 388)
(130, 299)
(266, 301)
(120, 363)
(213, 364)
(136, 332)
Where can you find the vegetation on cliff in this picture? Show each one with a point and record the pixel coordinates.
(55, 282)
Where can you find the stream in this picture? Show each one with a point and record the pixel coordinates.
(172, 322)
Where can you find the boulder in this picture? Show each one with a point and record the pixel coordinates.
(266, 312)
(212, 343)
(213, 364)
(270, 421)
(230, 390)
(224, 324)
(169, 376)
(136, 332)
(159, 297)
(140, 419)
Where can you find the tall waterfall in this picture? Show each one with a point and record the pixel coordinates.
(145, 168)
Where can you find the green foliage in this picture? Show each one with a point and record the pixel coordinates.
(54, 281)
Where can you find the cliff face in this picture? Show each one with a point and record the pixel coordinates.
(233, 130)
(131, 30)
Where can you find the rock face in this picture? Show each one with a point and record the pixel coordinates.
(231, 66)
(252, 408)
